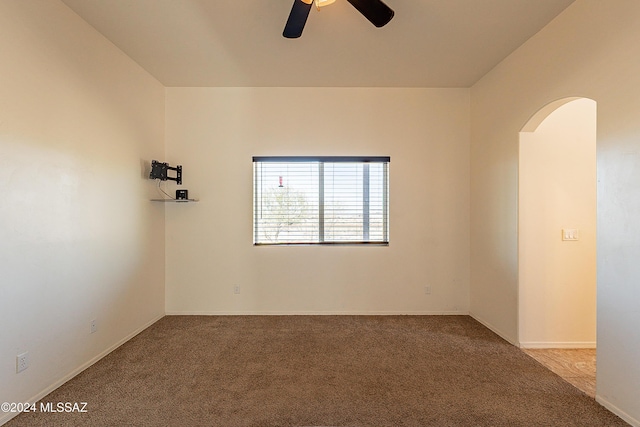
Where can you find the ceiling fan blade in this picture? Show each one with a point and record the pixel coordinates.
(378, 13)
(297, 18)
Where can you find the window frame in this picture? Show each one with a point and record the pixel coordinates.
(322, 160)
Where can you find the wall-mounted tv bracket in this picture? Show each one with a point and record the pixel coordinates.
(160, 171)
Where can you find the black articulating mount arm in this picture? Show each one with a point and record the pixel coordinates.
(160, 171)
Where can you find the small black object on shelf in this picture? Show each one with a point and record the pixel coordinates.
(160, 171)
(182, 194)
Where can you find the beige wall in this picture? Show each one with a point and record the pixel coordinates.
(590, 50)
(557, 190)
(214, 133)
(79, 239)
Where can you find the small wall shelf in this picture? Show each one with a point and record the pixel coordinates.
(175, 200)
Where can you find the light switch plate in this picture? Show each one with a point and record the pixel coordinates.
(570, 234)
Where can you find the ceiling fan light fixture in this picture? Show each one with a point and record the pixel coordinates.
(378, 13)
(323, 3)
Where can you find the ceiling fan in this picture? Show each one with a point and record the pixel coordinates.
(378, 13)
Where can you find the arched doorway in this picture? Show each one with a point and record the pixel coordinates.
(557, 239)
(557, 227)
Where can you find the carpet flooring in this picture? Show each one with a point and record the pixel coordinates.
(320, 371)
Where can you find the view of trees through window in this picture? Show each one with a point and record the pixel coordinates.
(315, 200)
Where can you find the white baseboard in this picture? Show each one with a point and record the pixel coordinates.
(613, 408)
(317, 313)
(577, 344)
(4, 418)
(495, 330)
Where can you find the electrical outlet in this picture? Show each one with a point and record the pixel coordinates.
(236, 289)
(427, 290)
(94, 325)
(22, 362)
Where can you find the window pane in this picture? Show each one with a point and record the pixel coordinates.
(286, 205)
(343, 202)
(315, 201)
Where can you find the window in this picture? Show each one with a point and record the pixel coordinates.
(320, 200)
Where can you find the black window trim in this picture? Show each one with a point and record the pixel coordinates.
(326, 159)
(321, 160)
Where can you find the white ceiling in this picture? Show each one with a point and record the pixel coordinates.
(429, 43)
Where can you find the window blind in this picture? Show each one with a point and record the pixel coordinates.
(321, 200)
